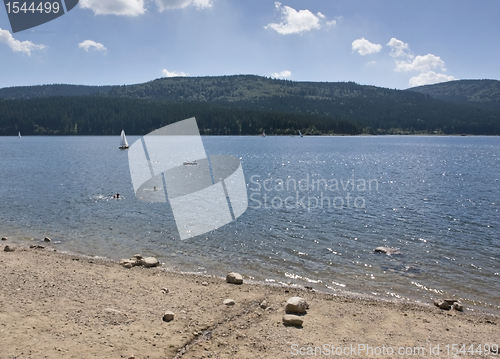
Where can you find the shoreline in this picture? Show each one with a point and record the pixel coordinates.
(56, 304)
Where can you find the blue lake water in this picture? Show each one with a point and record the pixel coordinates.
(437, 199)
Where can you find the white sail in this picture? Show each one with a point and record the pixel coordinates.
(300, 134)
(123, 140)
(19, 135)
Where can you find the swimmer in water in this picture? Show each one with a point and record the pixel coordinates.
(117, 196)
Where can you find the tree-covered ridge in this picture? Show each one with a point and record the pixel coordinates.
(473, 91)
(108, 116)
(51, 91)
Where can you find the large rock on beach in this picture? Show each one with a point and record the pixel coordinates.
(292, 320)
(150, 262)
(234, 278)
(4, 238)
(387, 250)
(47, 239)
(296, 305)
(8, 249)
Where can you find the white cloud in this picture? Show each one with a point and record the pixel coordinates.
(114, 7)
(399, 48)
(365, 47)
(18, 46)
(167, 73)
(180, 4)
(89, 44)
(370, 63)
(283, 74)
(421, 63)
(295, 22)
(428, 78)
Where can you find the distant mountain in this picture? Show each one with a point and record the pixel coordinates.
(11, 93)
(248, 104)
(471, 91)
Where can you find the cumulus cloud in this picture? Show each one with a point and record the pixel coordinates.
(295, 22)
(426, 64)
(180, 4)
(167, 73)
(399, 48)
(429, 78)
(89, 44)
(421, 63)
(114, 7)
(283, 74)
(18, 46)
(365, 47)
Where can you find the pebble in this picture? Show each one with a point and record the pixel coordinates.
(234, 278)
(4, 238)
(8, 249)
(442, 304)
(296, 305)
(204, 283)
(168, 316)
(294, 320)
(263, 305)
(451, 301)
(47, 239)
(458, 306)
(37, 246)
(138, 256)
(229, 301)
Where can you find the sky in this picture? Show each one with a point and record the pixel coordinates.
(393, 44)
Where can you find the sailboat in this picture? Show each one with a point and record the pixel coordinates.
(19, 135)
(263, 134)
(123, 141)
(300, 134)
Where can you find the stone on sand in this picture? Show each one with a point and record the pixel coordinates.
(168, 316)
(4, 238)
(442, 304)
(458, 306)
(150, 262)
(8, 249)
(296, 305)
(47, 239)
(228, 301)
(294, 320)
(234, 278)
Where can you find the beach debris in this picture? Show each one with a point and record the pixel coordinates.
(168, 316)
(138, 260)
(47, 239)
(4, 238)
(292, 320)
(204, 283)
(296, 305)
(149, 262)
(387, 250)
(37, 246)
(164, 290)
(229, 301)
(234, 278)
(458, 306)
(442, 304)
(263, 304)
(8, 249)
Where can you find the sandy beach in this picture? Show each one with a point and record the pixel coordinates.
(56, 305)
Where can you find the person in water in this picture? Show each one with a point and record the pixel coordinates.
(117, 196)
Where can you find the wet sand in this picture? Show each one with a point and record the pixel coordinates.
(56, 305)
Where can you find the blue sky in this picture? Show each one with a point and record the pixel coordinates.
(395, 44)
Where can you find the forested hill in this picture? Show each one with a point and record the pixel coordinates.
(18, 92)
(247, 104)
(470, 91)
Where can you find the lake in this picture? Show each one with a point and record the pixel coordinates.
(318, 206)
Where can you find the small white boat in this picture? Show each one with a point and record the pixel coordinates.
(300, 134)
(19, 135)
(190, 163)
(264, 134)
(123, 141)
